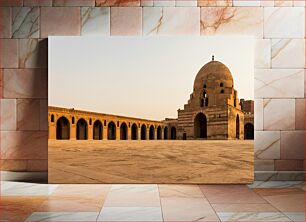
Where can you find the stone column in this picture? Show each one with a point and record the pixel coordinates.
(52, 131)
(73, 132)
(139, 133)
(90, 132)
(129, 133)
(104, 132)
(147, 133)
(118, 132)
(162, 134)
(155, 133)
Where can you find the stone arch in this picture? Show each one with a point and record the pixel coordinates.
(173, 133)
(81, 129)
(249, 131)
(123, 131)
(151, 133)
(200, 126)
(166, 133)
(97, 130)
(62, 129)
(134, 132)
(159, 133)
(237, 127)
(111, 132)
(143, 132)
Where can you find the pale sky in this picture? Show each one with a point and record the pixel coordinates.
(144, 77)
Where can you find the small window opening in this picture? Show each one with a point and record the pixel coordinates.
(222, 91)
(52, 118)
(221, 84)
(72, 120)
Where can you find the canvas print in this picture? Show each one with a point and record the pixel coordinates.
(151, 110)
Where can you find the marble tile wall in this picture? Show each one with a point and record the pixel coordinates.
(277, 25)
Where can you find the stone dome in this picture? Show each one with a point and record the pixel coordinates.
(213, 72)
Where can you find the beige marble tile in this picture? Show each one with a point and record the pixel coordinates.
(278, 3)
(288, 53)
(179, 191)
(278, 22)
(187, 209)
(5, 22)
(279, 114)
(71, 204)
(232, 21)
(267, 145)
(221, 3)
(73, 2)
(8, 53)
(163, 3)
(126, 21)
(92, 191)
(28, 111)
(52, 16)
(141, 214)
(300, 114)
(299, 3)
(266, 3)
(25, 22)
(284, 199)
(24, 144)
(237, 3)
(262, 53)
(171, 21)
(37, 165)
(118, 3)
(273, 83)
(37, 2)
(133, 196)
(25, 83)
(18, 208)
(292, 144)
(253, 216)
(146, 2)
(186, 3)
(258, 114)
(259, 207)
(95, 21)
(230, 194)
(263, 165)
(33, 53)
(8, 114)
(43, 114)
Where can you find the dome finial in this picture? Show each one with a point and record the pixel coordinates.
(213, 58)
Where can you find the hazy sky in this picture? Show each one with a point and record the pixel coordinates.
(145, 77)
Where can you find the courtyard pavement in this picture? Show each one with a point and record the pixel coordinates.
(261, 201)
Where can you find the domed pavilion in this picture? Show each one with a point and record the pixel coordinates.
(213, 110)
